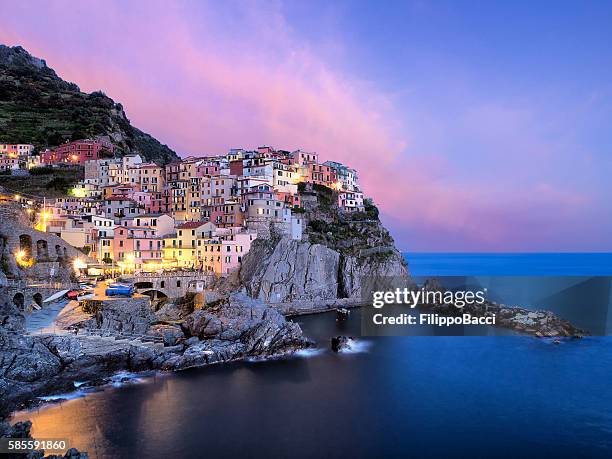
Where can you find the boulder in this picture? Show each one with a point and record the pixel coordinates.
(171, 334)
(341, 343)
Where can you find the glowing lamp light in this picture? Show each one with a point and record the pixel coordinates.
(74, 157)
(78, 192)
(20, 254)
(79, 264)
(17, 197)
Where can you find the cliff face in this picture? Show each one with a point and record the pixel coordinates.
(337, 253)
(38, 107)
(287, 270)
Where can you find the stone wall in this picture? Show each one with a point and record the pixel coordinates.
(43, 248)
(172, 285)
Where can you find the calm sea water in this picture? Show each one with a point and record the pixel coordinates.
(495, 396)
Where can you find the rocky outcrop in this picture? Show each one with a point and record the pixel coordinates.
(131, 315)
(236, 328)
(171, 335)
(341, 343)
(328, 268)
(354, 270)
(288, 270)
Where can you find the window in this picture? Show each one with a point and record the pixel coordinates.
(178, 283)
(162, 284)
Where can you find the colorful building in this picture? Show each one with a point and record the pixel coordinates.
(77, 152)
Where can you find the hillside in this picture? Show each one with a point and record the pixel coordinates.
(37, 106)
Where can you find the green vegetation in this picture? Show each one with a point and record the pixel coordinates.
(38, 107)
(53, 185)
(370, 212)
(5, 265)
(42, 170)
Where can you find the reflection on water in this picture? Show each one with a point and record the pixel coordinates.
(419, 396)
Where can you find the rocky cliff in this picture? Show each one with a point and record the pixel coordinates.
(337, 253)
(38, 107)
(235, 327)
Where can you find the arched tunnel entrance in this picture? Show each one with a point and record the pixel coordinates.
(19, 300)
(25, 245)
(38, 299)
(155, 294)
(42, 249)
(141, 285)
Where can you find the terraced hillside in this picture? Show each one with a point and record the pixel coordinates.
(37, 106)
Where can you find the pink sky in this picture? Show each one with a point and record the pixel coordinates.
(203, 82)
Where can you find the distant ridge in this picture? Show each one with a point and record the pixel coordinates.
(38, 107)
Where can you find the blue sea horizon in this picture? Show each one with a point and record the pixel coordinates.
(509, 264)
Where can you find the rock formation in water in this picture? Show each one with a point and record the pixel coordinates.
(338, 252)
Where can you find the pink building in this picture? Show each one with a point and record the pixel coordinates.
(135, 246)
(76, 152)
(224, 254)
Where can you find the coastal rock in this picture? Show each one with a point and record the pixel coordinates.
(202, 324)
(288, 270)
(11, 318)
(339, 343)
(355, 270)
(171, 335)
(339, 251)
(241, 327)
(117, 315)
(536, 323)
(260, 329)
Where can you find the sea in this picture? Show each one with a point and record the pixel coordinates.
(411, 396)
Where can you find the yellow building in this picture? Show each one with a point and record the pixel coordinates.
(182, 245)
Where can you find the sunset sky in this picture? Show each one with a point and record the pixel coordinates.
(483, 126)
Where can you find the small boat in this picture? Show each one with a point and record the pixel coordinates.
(85, 296)
(56, 296)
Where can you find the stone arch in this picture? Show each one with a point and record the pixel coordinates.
(42, 249)
(19, 300)
(38, 299)
(155, 294)
(25, 244)
(65, 253)
(143, 284)
(58, 252)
